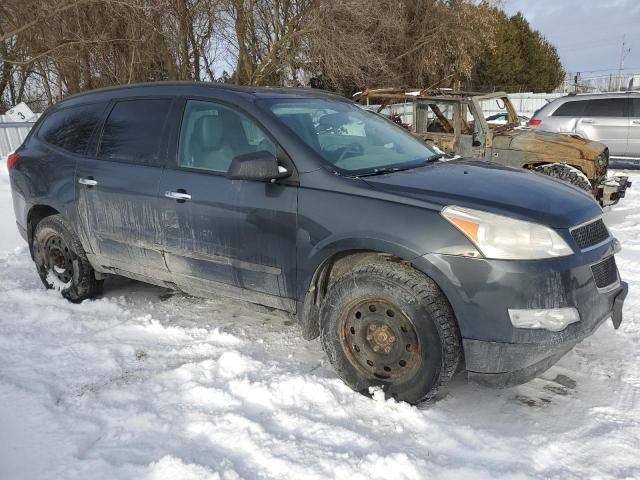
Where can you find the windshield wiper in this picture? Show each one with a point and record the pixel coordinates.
(383, 170)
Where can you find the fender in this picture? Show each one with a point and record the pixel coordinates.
(309, 267)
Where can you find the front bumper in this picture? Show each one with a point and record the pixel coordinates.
(481, 291)
(506, 364)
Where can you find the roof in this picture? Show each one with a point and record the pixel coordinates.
(262, 92)
(591, 96)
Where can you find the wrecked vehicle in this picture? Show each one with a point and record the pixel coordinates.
(456, 123)
(409, 269)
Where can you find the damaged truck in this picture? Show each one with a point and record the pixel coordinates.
(455, 122)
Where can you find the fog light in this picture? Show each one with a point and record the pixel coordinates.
(616, 245)
(554, 319)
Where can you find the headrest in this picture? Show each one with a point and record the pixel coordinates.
(234, 133)
(207, 132)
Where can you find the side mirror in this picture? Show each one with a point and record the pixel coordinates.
(259, 166)
(475, 142)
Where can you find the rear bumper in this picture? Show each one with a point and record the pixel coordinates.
(23, 232)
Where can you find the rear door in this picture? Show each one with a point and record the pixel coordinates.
(118, 200)
(235, 237)
(64, 138)
(606, 120)
(633, 144)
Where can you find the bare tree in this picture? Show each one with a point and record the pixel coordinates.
(49, 48)
(66, 46)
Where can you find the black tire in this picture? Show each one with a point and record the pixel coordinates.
(62, 262)
(416, 334)
(567, 174)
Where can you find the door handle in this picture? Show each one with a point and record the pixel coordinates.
(636, 122)
(89, 182)
(180, 195)
(587, 120)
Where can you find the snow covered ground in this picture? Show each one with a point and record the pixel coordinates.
(145, 384)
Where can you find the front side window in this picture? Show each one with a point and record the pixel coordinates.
(212, 135)
(636, 108)
(133, 131)
(350, 138)
(71, 128)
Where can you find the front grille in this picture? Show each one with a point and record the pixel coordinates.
(605, 273)
(590, 234)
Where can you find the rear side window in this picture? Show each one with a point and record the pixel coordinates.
(570, 109)
(606, 107)
(133, 131)
(71, 128)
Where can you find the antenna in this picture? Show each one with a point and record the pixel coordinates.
(623, 53)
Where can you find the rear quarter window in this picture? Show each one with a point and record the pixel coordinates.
(570, 109)
(133, 131)
(71, 128)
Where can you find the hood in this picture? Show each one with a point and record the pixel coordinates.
(536, 141)
(491, 187)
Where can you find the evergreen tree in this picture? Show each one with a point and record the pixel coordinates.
(521, 60)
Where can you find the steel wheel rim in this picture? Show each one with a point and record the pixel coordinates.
(380, 340)
(58, 259)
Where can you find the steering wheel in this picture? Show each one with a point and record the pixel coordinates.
(354, 147)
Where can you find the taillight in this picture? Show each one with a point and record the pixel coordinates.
(534, 122)
(12, 159)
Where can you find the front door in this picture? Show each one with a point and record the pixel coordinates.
(118, 200)
(633, 143)
(234, 237)
(605, 120)
(473, 137)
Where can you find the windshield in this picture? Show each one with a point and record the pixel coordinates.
(353, 140)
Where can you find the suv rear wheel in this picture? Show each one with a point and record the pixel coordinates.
(566, 173)
(387, 325)
(61, 261)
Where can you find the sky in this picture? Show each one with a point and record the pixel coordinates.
(587, 33)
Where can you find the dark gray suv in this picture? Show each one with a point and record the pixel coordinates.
(410, 268)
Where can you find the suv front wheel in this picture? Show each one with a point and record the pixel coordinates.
(386, 325)
(61, 260)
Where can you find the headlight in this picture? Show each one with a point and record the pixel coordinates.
(496, 236)
(602, 159)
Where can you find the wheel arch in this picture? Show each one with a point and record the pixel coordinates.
(333, 262)
(36, 214)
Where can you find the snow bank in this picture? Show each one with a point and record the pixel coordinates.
(145, 384)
